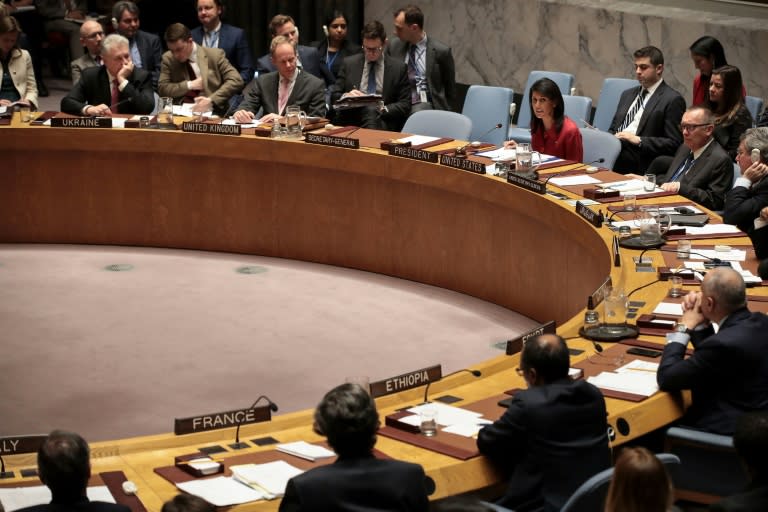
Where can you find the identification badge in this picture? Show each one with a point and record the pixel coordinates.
(423, 96)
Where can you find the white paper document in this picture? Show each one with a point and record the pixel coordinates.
(713, 229)
(418, 140)
(632, 186)
(272, 477)
(15, 498)
(668, 308)
(447, 414)
(222, 491)
(306, 450)
(710, 254)
(467, 429)
(579, 179)
(636, 377)
(498, 154)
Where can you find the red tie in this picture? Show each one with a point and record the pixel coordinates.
(115, 97)
(191, 94)
(282, 97)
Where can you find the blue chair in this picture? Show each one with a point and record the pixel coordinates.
(487, 106)
(522, 132)
(609, 100)
(597, 145)
(754, 105)
(439, 123)
(579, 109)
(591, 494)
(711, 468)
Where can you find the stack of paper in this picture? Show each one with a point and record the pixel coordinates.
(15, 498)
(638, 378)
(305, 450)
(271, 478)
(454, 419)
(222, 491)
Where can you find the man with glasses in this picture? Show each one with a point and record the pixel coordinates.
(91, 36)
(648, 116)
(701, 170)
(373, 73)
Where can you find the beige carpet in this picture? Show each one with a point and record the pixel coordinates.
(118, 354)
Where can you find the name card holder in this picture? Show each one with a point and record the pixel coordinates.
(515, 345)
(387, 145)
(219, 420)
(600, 193)
(526, 183)
(330, 140)
(81, 122)
(406, 381)
(414, 154)
(462, 163)
(212, 128)
(596, 219)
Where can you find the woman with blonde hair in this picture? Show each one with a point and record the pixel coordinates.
(17, 79)
(640, 483)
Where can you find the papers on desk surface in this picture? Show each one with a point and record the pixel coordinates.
(453, 419)
(669, 308)
(637, 377)
(708, 254)
(270, 477)
(418, 140)
(498, 154)
(579, 179)
(713, 229)
(15, 498)
(222, 491)
(630, 187)
(305, 450)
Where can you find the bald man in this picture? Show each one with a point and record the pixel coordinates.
(728, 371)
(91, 36)
(553, 436)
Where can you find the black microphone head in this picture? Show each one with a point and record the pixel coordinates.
(273, 406)
(498, 125)
(598, 347)
(600, 160)
(476, 373)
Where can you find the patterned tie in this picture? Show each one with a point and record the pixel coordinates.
(282, 97)
(191, 94)
(372, 77)
(683, 168)
(115, 97)
(633, 110)
(211, 39)
(412, 73)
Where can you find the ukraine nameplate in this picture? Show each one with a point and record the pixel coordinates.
(216, 129)
(526, 183)
(462, 163)
(413, 154)
(81, 122)
(219, 420)
(330, 140)
(405, 381)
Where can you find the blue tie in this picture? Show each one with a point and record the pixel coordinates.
(372, 77)
(683, 168)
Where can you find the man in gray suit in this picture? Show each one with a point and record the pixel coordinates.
(374, 73)
(91, 36)
(274, 91)
(431, 70)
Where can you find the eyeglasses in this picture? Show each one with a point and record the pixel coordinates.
(691, 127)
(372, 50)
(95, 35)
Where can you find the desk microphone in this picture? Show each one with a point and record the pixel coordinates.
(556, 174)
(462, 150)
(714, 262)
(121, 102)
(353, 131)
(476, 373)
(238, 445)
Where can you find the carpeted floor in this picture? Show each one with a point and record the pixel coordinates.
(117, 354)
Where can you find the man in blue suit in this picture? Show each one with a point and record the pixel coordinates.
(215, 34)
(146, 49)
(309, 59)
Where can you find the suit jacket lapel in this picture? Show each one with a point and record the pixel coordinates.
(202, 63)
(650, 105)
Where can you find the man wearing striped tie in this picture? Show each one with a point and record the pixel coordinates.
(647, 120)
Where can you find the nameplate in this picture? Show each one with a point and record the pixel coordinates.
(462, 163)
(596, 219)
(526, 183)
(21, 444)
(216, 129)
(414, 154)
(599, 294)
(330, 140)
(515, 345)
(220, 420)
(81, 122)
(405, 381)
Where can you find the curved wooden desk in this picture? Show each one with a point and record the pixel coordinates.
(362, 209)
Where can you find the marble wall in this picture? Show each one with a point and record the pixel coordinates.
(498, 42)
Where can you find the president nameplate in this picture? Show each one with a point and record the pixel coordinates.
(413, 153)
(219, 420)
(212, 128)
(406, 381)
(81, 122)
(526, 183)
(330, 140)
(462, 163)
(11, 445)
(596, 219)
(515, 345)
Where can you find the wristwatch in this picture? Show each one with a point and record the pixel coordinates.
(681, 327)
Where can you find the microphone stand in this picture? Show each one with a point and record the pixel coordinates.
(237, 445)
(461, 151)
(476, 373)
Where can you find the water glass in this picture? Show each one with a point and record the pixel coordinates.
(650, 183)
(428, 421)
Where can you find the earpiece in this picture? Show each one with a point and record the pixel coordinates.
(114, 23)
(325, 30)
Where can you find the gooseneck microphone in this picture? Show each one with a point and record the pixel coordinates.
(476, 373)
(272, 407)
(462, 150)
(715, 262)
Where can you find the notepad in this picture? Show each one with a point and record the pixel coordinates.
(222, 491)
(15, 498)
(305, 450)
(270, 477)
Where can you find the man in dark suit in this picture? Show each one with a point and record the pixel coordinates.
(751, 442)
(728, 371)
(146, 50)
(748, 198)
(308, 57)
(553, 436)
(701, 170)
(215, 34)
(431, 70)
(647, 120)
(388, 79)
(117, 87)
(347, 416)
(63, 462)
(288, 85)
(200, 75)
